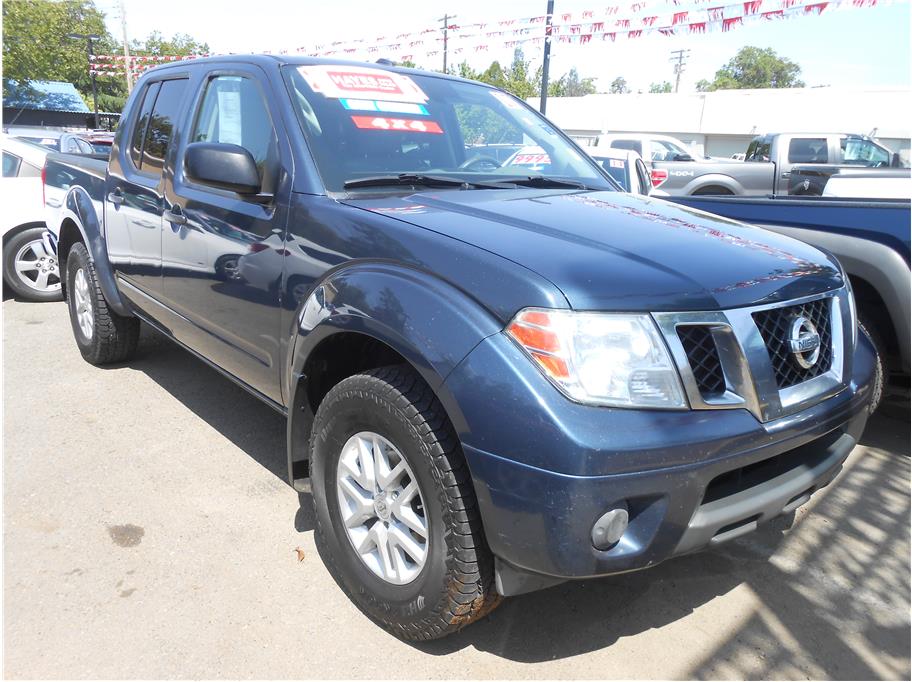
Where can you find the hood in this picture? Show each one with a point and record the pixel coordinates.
(615, 251)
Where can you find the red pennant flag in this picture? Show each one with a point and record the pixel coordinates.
(816, 8)
(634, 34)
(585, 38)
(752, 6)
(728, 24)
(775, 14)
(678, 18)
(718, 13)
(649, 21)
(698, 27)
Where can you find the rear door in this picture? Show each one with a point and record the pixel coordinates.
(133, 203)
(799, 150)
(223, 261)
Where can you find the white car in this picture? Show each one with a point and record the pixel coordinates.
(649, 146)
(29, 249)
(628, 169)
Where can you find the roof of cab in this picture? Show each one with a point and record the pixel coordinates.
(297, 60)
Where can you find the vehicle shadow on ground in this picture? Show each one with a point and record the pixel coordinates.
(835, 605)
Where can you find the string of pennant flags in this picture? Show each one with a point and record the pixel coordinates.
(613, 23)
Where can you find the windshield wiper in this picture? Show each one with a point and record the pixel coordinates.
(542, 182)
(417, 180)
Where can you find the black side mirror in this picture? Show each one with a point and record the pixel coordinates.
(682, 157)
(897, 162)
(226, 166)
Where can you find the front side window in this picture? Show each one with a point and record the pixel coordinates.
(857, 151)
(364, 122)
(161, 124)
(617, 169)
(233, 112)
(10, 165)
(663, 150)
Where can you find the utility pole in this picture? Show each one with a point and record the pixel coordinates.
(681, 57)
(546, 62)
(128, 65)
(89, 37)
(446, 25)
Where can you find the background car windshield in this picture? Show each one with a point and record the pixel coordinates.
(362, 122)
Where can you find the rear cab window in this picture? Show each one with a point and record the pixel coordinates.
(807, 150)
(632, 145)
(758, 150)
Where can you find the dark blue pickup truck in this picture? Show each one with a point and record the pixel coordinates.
(494, 381)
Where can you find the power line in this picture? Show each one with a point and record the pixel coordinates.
(681, 57)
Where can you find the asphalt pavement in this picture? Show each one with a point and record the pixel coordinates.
(149, 532)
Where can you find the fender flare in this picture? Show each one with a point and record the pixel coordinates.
(430, 323)
(80, 209)
(713, 179)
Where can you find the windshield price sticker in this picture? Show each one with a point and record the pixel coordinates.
(397, 124)
(614, 163)
(388, 107)
(338, 82)
(530, 159)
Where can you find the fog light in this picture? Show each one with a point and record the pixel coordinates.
(608, 530)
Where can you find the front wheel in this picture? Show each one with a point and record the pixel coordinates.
(102, 335)
(397, 519)
(30, 266)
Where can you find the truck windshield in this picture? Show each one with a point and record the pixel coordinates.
(363, 122)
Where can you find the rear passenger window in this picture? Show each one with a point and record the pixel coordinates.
(233, 112)
(10, 165)
(139, 132)
(161, 124)
(807, 150)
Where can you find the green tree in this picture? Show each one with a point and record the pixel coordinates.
(754, 67)
(180, 44)
(703, 85)
(660, 87)
(619, 86)
(36, 46)
(571, 85)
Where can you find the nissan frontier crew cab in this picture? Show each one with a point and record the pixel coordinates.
(495, 379)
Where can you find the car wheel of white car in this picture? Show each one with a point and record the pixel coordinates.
(30, 266)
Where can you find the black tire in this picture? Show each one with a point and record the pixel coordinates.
(456, 584)
(24, 284)
(113, 337)
(881, 369)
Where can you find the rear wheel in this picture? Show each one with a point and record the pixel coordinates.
(713, 190)
(30, 266)
(397, 519)
(102, 335)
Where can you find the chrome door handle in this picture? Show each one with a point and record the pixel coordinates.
(116, 197)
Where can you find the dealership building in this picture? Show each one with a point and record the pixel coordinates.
(722, 123)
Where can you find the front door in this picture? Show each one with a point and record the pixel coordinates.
(222, 262)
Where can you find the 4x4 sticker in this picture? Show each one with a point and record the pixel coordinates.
(362, 82)
(397, 124)
(388, 107)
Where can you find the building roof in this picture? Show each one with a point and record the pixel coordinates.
(740, 112)
(44, 96)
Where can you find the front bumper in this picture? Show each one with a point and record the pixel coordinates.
(545, 469)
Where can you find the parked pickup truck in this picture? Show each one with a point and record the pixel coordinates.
(494, 380)
(871, 240)
(766, 168)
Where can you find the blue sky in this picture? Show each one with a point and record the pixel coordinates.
(857, 47)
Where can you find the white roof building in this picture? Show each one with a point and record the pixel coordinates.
(722, 123)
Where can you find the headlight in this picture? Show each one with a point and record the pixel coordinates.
(614, 359)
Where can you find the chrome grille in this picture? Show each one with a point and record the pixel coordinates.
(774, 327)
